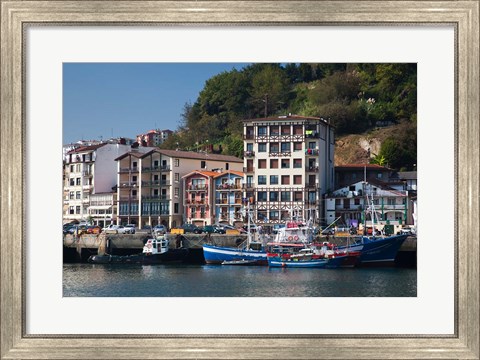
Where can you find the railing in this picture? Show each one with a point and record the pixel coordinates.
(156, 183)
(311, 168)
(156, 168)
(155, 197)
(87, 173)
(248, 136)
(248, 185)
(133, 170)
(228, 187)
(249, 169)
(129, 184)
(311, 152)
(196, 187)
(196, 202)
(128, 198)
(280, 154)
(249, 153)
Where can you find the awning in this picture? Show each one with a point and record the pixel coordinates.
(99, 207)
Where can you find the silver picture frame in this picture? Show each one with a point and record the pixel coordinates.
(17, 15)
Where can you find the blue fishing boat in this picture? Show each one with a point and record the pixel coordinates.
(218, 254)
(293, 262)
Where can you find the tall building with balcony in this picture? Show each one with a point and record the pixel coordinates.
(154, 137)
(228, 198)
(88, 170)
(150, 189)
(288, 166)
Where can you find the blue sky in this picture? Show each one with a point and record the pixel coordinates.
(104, 100)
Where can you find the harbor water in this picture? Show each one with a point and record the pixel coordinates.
(188, 280)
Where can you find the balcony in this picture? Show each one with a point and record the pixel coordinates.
(249, 169)
(311, 152)
(155, 197)
(128, 184)
(314, 169)
(249, 185)
(280, 154)
(156, 168)
(310, 185)
(196, 202)
(156, 183)
(249, 153)
(249, 136)
(227, 187)
(87, 173)
(197, 187)
(128, 198)
(129, 170)
(310, 134)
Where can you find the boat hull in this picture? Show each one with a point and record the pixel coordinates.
(218, 254)
(171, 256)
(314, 263)
(380, 251)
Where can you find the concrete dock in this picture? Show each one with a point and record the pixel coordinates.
(79, 249)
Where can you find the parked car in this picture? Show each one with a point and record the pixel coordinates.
(209, 229)
(116, 229)
(78, 230)
(230, 227)
(191, 228)
(159, 229)
(130, 228)
(94, 229)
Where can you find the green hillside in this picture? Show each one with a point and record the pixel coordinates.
(357, 98)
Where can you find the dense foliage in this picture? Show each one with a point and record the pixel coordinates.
(355, 97)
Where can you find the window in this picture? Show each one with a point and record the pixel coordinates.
(249, 180)
(175, 208)
(273, 195)
(155, 163)
(297, 129)
(273, 147)
(285, 179)
(285, 163)
(176, 192)
(72, 167)
(262, 163)
(227, 166)
(134, 164)
(203, 164)
(262, 131)
(357, 201)
(379, 175)
(273, 179)
(311, 145)
(176, 162)
(71, 210)
(77, 168)
(134, 193)
(285, 196)
(297, 179)
(176, 177)
(79, 181)
(72, 195)
(262, 147)
(297, 196)
(134, 178)
(249, 147)
(78, 195)
(262, 196)
(274, 131)
(285, 129)
(391, 201)
(262, 180)
(285, 147)
(72, 182)
(274, 214)
(297, 163)
(273, 163)
(77, 209)
(338, 202)
(297, 146)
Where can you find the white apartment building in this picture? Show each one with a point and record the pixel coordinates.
(288, 166)
(150, 189)
(351, 204)
(102, 209)
(88, 170)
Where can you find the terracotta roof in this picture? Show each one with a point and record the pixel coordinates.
(201, 172)
(285, 117)
(223, 173)
(195, 155)
(361, 166)
(136, 154)
(85, 148)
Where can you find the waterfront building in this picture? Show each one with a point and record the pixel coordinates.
(150, 190)
(153, 137)
(228, 198)
(351, 173)
(102, 208)
(288, 166)
(351, 204)
(88, 170)
(212, 197)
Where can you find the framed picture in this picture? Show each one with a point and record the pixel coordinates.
(37, 322)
